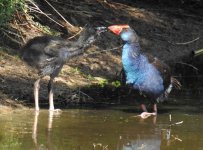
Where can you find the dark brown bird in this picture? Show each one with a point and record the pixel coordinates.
(48, 54)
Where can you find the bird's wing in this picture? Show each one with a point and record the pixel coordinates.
(162, 68)
(52, 49)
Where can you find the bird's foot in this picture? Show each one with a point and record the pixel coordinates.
(54, 110)
(37, 109)
(145, 115)
(154, 114)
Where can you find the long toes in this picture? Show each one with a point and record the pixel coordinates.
(145, 115)
(55, 110)
(36, 110)
(154, 113)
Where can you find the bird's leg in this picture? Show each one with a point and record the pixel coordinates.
(155, 109)
(34, 129)
(143, 107)
(145, 114)
(36, 94)
(51, 94)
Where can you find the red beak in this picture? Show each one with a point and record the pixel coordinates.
(118, 28)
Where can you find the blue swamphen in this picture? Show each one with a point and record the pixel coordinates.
(48, 54)
(147, 74)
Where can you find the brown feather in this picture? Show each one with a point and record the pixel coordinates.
(162, 68)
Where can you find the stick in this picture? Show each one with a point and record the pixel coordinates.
(188, 42)
(38, 10)
(177, 123)
(81, 29)
(188, 65)
(69, 24)
(170, 117)
(107, 50)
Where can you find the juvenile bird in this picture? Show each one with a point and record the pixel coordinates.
(48, 54)
(147, 74)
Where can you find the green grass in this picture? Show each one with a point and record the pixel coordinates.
(8, 8)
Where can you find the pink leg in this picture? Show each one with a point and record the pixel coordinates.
(155, 108)
(143, 107)
(145, 114)
(51, 94)
(36, 94)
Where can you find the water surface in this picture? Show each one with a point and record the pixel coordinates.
(100, 129)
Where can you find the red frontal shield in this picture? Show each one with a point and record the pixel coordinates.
(117, 28)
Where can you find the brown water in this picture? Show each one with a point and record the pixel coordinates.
(100, 129)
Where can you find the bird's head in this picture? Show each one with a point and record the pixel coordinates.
(126, 33)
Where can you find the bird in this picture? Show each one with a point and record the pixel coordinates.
(47, 54)
(145, 73)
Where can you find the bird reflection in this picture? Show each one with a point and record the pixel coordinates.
(145, 139)
(49, 129)
(142, 140)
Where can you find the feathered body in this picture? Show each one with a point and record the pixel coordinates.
(48, 54)
(147, 74)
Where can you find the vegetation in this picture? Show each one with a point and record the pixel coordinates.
(7, 9)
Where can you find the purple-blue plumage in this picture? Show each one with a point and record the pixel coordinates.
(147, 74)
(143, 71)
(144, 76)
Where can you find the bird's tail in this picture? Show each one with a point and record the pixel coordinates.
(176, 83)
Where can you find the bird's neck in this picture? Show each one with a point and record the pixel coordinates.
(80, 47)
(131, 50)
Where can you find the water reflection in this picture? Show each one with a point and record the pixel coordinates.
(51, 115)
(143, 139)
(161, 138)
(78, 129)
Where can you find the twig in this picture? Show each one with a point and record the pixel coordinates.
(38, 10)
(184, 43)
(21, 36)
(198, 52)
(12, 39)
(68, 23)
(80, 92)
(106, 50)
(10, 32)
(177, 123)
(81, 29)
(188, 65)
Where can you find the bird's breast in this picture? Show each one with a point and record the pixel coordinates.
(143, 75)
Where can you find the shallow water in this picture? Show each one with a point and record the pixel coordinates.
(100, 129)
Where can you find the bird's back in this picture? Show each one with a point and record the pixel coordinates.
(47, 53)
(38, 50)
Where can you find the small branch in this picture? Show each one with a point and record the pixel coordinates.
(12, 39)
(80, 92)
(81, 29)
(188, 65)
(107, 50)
(38, 10)
(68, 23)
(10, 32)
(177, 123)
(188, 42)
(198, 52)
